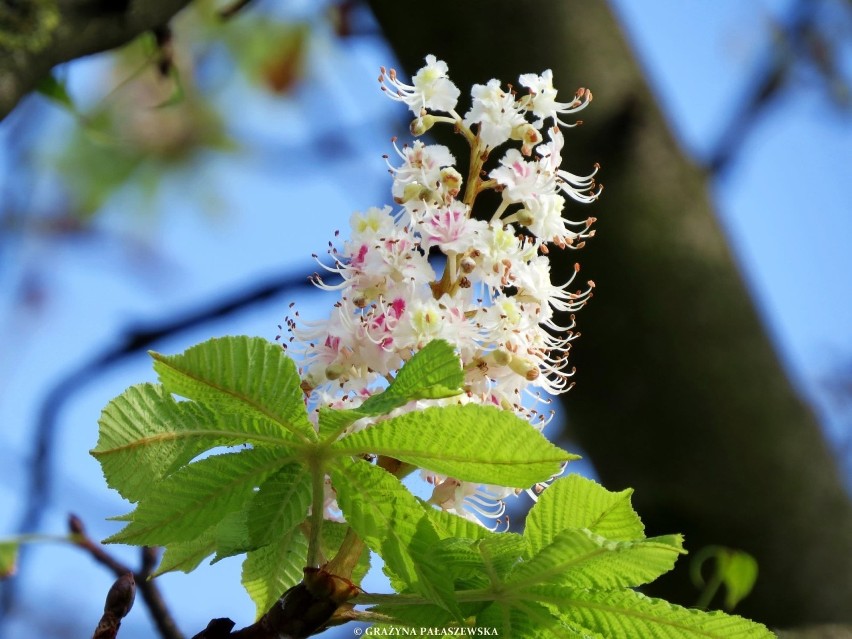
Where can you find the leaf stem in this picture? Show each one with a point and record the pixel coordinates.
(317, 507)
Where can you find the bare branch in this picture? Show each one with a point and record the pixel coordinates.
(147, 588)
(119, 601)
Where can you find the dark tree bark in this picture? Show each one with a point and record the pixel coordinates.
(39, 34)
(680, 393)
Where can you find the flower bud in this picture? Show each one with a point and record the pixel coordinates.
(528, 135)
(334, 371)
(525, 217)
(524, 368)
(420, 125)
(467, 265)
(452, 180)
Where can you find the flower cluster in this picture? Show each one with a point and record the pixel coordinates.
(493, 299)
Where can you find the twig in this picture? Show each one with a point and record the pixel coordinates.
(119, 601)
(147, 587)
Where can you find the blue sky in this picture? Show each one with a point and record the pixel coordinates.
(785, 205)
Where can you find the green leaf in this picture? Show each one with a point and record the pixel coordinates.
(577, 502)
(432, 373)
(736, 569)
(739, 574)
(422, 616)
(449, 525)
(280, 504)
(181, 506)
(145, 435)
(471, 443)
(186, 556)
(245, 375)
(627, 614)
(579, 558)
(8, 558)
(333, 421)
(527, 620)
(478, 563)
(393, 524)
(52, 88)
(232, 536)
(269, 571)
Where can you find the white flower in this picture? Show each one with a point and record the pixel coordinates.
(542, 99)
(421, 166)
(430, 88)
(451, 229)
(495, 301)
(522, 179)
(495, 112)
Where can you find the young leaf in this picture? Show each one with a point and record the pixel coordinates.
(627, 614)
(433, 372)
(528, 620)
(145, 435)
(471, 443)
(280, 504)
(231, 535)
(449, 526)
(577, 502)
(181, 506)
(246, 375)
(478, 563)
(734, 568)
(186, 556)
(269, 571)
(393, 524)
(579, 558)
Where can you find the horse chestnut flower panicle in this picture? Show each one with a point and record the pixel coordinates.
(493, 299)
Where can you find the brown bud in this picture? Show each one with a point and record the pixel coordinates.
(120, 597)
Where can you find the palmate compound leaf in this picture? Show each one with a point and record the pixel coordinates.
(577, 502)
(181, 506)
(145, 435)
(393, 524)
(471, 443)
(244, 375)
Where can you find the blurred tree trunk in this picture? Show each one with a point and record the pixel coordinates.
(679, 392)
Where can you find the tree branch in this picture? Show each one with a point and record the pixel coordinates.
(147, 587)
(69, 29)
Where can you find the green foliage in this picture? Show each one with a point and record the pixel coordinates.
(566, 580)
(54, 89)
(237, 466)
(735, 569)
(471, 443)
(8, 558)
